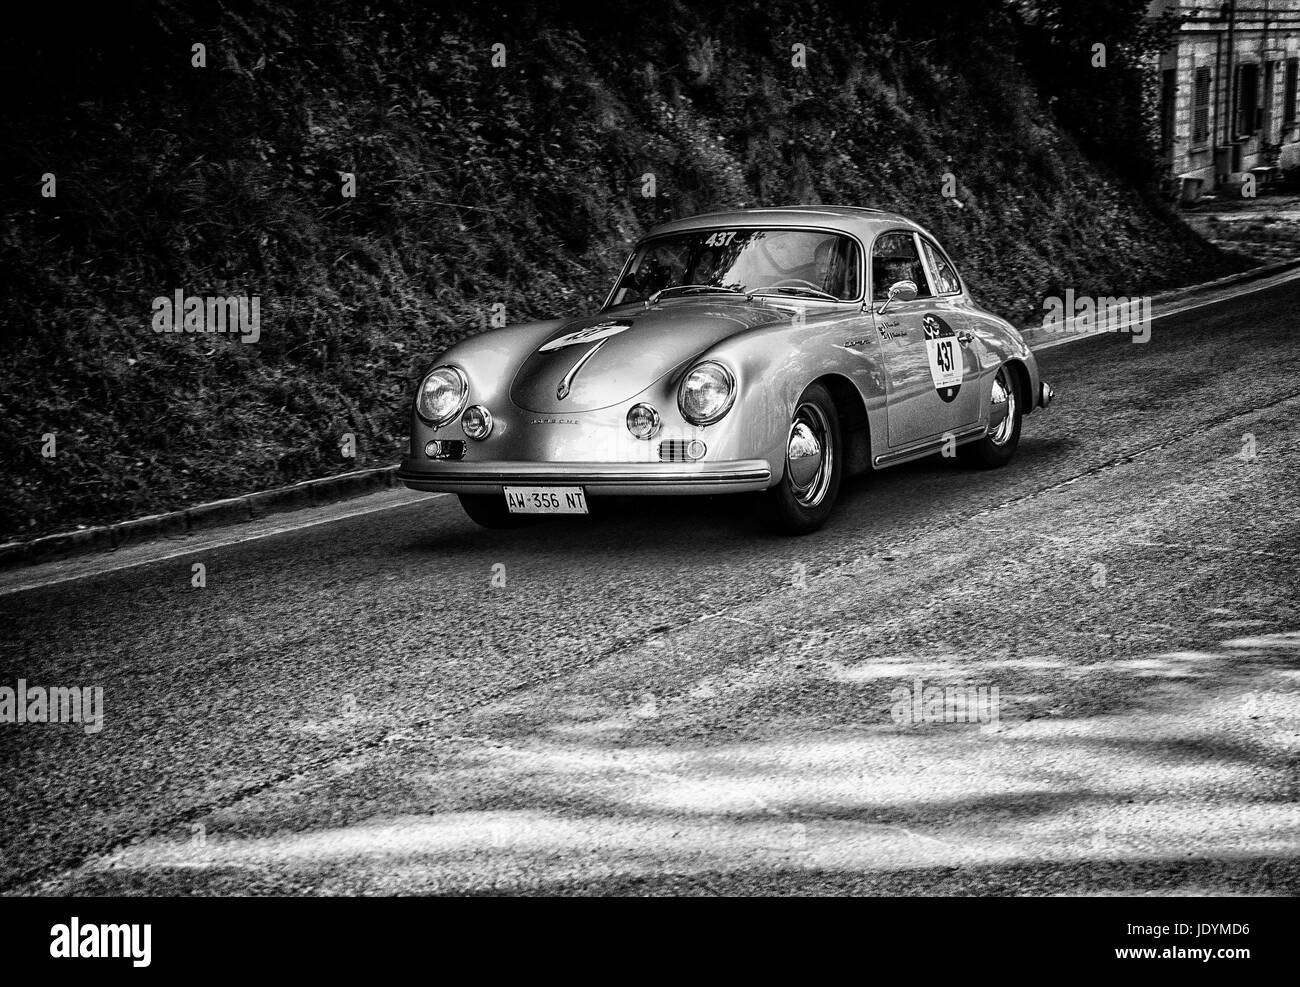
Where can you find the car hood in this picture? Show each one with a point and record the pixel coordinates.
(600, 360)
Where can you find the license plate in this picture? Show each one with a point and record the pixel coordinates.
(546, 500)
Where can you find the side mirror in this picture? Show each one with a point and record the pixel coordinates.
(901, 291)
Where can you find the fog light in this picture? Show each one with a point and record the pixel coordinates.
(681, 450)
(444, 449)
(643, 421)
(477, 422)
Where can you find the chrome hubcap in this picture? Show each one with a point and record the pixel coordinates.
(1002, 412)
(808, 455)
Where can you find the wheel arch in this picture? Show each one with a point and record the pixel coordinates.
(1024, 384)
(855, 427)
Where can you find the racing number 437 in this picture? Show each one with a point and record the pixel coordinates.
(943, 356)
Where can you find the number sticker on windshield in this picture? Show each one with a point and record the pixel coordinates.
(719, 239)
(945, 357)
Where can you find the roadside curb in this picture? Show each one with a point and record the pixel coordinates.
(1241, 277)
(200, 517)
(346, 486)
(1037, 337)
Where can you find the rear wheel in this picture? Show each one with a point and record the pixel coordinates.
(998, 446)
(490, 511)
(804, 498)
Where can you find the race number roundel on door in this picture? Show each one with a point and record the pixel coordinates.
(945, 357)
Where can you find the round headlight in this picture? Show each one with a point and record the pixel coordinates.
(706, 393)
(442, 394)
(643, 421)
(477, 422)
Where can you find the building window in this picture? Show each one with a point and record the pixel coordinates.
(1246, 118)
(1201, 108)
(1289, 93)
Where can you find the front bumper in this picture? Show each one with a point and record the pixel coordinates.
(612, 479)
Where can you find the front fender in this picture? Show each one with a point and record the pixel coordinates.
(489, 360)
(774, 365)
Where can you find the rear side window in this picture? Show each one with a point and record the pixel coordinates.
(946, 282)
(894, 258)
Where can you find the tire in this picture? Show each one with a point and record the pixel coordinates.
(805, 497)
(1005, 414)
(489, 510)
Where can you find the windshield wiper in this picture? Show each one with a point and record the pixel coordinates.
(796, 289)
(690, 287)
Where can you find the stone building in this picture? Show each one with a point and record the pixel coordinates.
(1228, 92)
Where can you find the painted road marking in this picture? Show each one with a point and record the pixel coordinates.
(99, 565)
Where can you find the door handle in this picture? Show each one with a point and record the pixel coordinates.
(964, 336)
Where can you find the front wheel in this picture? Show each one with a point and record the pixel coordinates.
(804, 498)
(998, 446)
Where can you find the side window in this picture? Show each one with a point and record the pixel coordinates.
(944, 276)
(894, 258)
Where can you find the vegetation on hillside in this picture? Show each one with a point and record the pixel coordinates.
(480, 185)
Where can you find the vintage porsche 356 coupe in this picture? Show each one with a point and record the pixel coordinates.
(772, 350)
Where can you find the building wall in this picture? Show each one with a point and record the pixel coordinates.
(1223, 38)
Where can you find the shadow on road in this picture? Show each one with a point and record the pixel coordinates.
(586, 793)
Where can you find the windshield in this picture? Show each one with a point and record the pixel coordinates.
(793, 263)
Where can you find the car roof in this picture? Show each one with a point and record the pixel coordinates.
(858, 220)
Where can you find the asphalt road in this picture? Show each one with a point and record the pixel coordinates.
(665, 700)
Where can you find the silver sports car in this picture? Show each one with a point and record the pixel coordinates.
(772, 350)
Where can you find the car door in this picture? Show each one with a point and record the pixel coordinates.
(951, 313)
(930, 379)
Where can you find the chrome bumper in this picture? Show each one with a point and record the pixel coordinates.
(613, 479)
(1045, 394)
